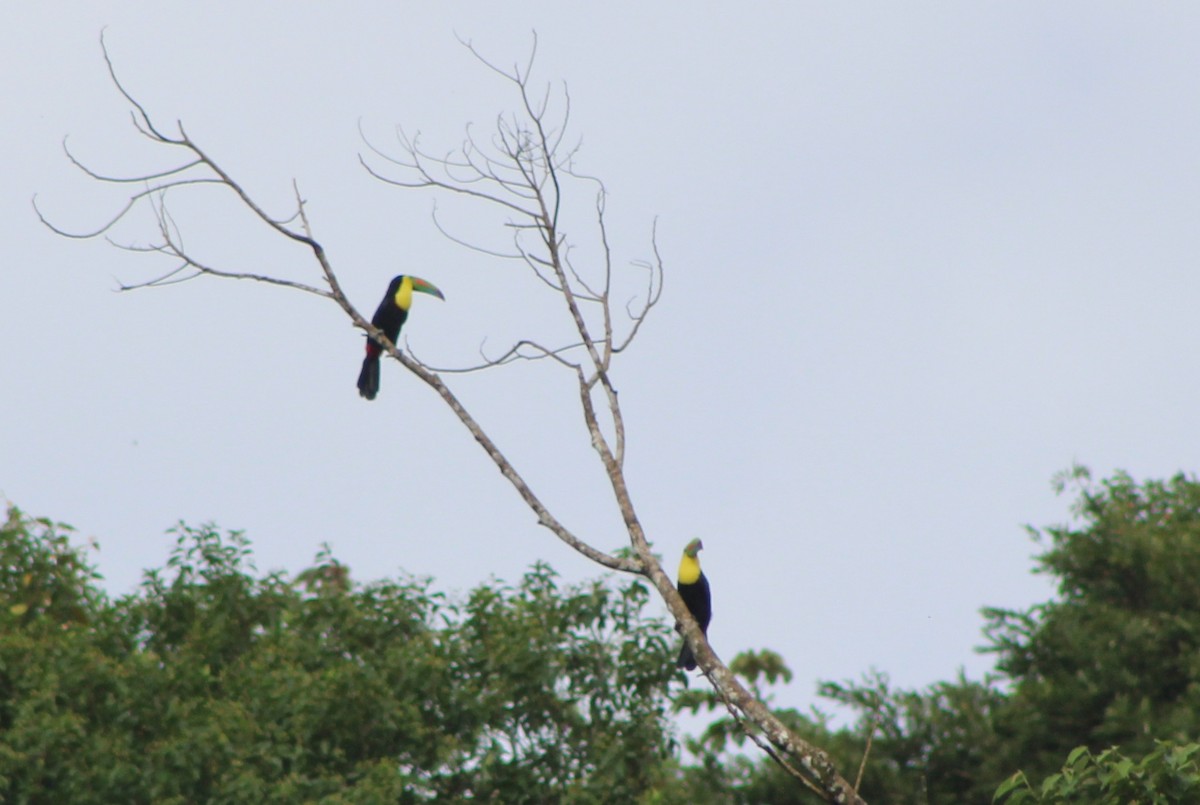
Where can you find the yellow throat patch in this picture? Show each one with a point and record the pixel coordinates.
(403, 297)
(689, 569)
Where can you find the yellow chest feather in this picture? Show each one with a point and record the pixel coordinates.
(404, 294)
(689, 570)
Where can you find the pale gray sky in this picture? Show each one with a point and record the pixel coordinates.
(919, 259)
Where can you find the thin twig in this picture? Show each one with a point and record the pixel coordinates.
(862, 767)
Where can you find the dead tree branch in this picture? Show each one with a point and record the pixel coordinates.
(521, 170)
(186, 265)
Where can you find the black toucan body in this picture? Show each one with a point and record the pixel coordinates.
(390, 317)
(693, 589)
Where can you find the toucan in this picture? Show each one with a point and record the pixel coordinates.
(693, 589)
(390, 317)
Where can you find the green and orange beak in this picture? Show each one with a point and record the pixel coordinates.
(425, 286)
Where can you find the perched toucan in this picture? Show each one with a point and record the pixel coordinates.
(693, 589)
(390, 317)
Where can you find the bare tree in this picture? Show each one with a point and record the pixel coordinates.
(522, 168)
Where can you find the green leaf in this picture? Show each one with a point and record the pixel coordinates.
(1017, 781)
(1076, 753)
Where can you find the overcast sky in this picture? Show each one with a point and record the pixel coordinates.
(919, 258)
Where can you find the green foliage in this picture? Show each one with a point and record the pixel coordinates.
(44, 580)
(920, 743)
(935, 745)
(924, 746)
(1113, 661)
(213, 683)
(730, 770)
(754, 667)
(1106, 676)
(1166, 775)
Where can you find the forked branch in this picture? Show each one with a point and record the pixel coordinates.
(185, 265)
(523, 172)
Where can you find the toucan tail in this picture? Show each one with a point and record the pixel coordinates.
(687, 660)
(368, 378)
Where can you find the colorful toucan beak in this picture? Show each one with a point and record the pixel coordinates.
(425, 286)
